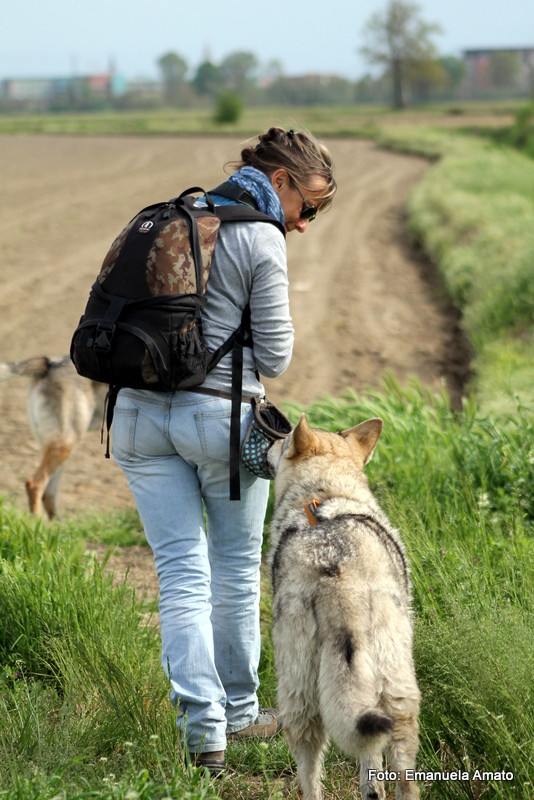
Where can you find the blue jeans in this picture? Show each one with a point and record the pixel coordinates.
(173, 448)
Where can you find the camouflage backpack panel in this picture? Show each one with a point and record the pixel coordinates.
(170, 264)
(114, 251)
(170, 268)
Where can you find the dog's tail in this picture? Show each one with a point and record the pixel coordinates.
(374, 722)
(35, 368)
(349, 698)
(358, 730)
(366, 732)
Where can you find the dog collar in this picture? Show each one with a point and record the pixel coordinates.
(311, 511)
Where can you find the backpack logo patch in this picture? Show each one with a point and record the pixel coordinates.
(145, 227)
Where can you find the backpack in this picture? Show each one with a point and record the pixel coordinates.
(142, 327)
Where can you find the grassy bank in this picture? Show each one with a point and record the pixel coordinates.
(473, 214)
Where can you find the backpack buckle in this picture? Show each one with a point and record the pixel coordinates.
(104, 335)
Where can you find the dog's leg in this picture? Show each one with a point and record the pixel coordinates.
(406, 790)
(402, 752)
(370, 787)
(50, 493)
(34, 490)
(54, 455)
(308, 754)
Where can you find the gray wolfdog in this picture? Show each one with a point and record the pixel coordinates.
(62, 406)
(342, 628)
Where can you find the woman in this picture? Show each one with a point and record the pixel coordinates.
(173, 448)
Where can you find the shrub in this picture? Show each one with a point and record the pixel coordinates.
(229, 108)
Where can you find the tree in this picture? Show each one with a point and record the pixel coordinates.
(456, 71)
(428, 78)
(207, 80)
(238, 72)
(371, 89)
(173, 71)
(311, 90)
(272, 72)
(397, 38)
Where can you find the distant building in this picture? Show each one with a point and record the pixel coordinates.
(28, 89)
(41, 91)
(482, 66)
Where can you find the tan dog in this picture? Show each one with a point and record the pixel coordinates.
(62, 406)
(342, 627)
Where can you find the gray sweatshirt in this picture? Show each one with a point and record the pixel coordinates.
(249, 265)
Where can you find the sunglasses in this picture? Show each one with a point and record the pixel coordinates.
(307, 211)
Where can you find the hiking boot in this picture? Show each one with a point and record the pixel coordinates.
(265, 725)
(213, 762)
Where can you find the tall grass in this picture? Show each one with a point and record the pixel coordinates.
(80, 668)
(519, 134)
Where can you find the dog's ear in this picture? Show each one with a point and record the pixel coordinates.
(303, 439)
(365, 436)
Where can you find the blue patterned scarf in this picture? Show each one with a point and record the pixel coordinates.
(258, 184)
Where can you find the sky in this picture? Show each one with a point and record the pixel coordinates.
(53, 38)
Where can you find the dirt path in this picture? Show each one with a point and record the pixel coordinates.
(362, 301)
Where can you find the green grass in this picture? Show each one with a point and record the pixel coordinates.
(325, 121)
(186, 122)
(119, 528)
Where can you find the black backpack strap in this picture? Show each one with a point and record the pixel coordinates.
(193, 190)
(106, 327)
(234, 192)
(187, 210)
(235, 421)
(243, 338)
(242, 213)
(107, 417)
